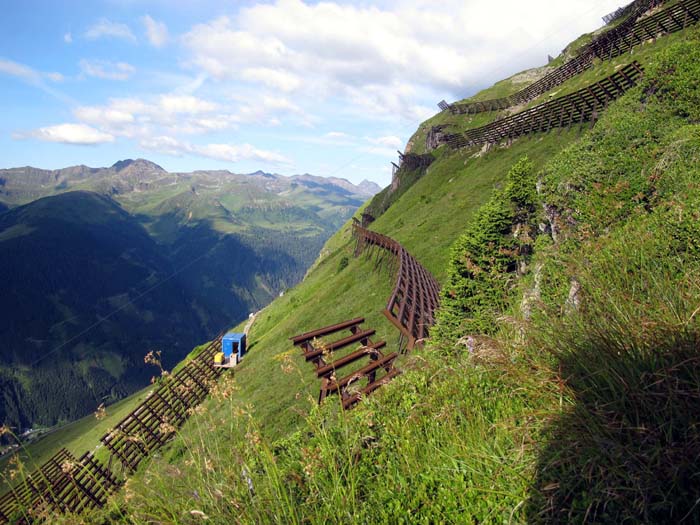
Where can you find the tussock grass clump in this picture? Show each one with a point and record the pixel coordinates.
(628, 447)
(619, 296)
(448, 439)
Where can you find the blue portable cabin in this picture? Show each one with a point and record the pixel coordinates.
(233, 346)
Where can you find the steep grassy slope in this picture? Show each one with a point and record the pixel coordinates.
(272, 395)
(573, 399)
(430, 216)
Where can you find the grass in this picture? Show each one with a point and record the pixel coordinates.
(580, 408)
(554, 418)
(435, 210)
(368, 466)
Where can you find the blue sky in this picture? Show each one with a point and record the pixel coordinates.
(286, 86)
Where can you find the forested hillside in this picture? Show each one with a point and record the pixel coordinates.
(69, 262)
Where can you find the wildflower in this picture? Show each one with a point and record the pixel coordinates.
(197, 410)
(153, 357)
(239, 412)
(166, 428)
(253, 437)
(17, 466)
(324, 349)
(128, 492)
(199, 514)
(67, 467)
(101, 412)
(311, 461)
(249, 481)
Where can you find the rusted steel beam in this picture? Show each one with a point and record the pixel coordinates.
(578, 105)
(342, 343)
(371, 350)
(386, 361)
(326, 330)
(350, 401)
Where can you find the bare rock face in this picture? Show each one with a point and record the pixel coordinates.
(435, 137)
(573, 301)
(533, 295)
(553, 218)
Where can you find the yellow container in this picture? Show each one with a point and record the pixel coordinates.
(219, 358)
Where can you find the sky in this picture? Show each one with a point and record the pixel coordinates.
(287, 86)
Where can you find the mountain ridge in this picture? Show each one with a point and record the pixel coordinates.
(19, 185)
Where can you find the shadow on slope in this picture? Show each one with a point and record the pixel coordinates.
(628, 448)
(85, 294)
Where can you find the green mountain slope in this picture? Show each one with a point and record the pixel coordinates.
(226, 243)
(560, 383)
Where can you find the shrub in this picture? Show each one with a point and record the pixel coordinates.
(485, 258)
(672, 78)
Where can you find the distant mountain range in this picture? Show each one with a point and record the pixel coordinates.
(101, 265)
(25, 184)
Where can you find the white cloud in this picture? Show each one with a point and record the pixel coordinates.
(55, 77)
(107, 70)
(282, 80)
(165, 145)
(16, 69)
(68, 38)
(72, 134)
(162, 115)
(167, 109)
(224, 152)
(28, 74)
(333, 50)
(388, 141)
(156, 32)
(231, 153)
(174, 104)
(103, 116)
(268, 110)
(105, 28)
(337, 135)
